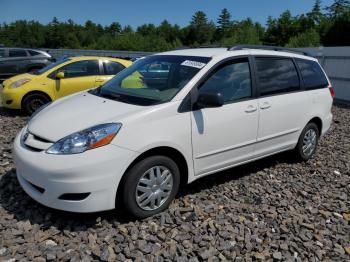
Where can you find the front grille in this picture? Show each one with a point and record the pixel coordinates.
(36, 143)
(33, 148)
(41, 139)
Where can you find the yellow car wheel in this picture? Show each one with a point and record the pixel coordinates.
(33, 101)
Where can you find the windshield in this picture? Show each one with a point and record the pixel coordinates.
(50, 66)
(153, 80)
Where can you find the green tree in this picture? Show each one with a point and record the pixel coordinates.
(310, 38)
(316, 14)
(200, 30)
(224, 24)
(338, 8)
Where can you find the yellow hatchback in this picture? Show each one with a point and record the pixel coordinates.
(64, 77)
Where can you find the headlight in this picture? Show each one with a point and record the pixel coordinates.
(19, 83)
(24, 134)
(81, 141)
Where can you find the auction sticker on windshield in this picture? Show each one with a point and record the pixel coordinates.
(193, 64)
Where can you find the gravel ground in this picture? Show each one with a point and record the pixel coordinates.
(273, 209)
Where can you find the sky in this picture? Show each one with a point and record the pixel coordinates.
(137, 12)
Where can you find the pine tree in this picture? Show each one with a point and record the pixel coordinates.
(316, 14)
(224, 20)
(338, 8)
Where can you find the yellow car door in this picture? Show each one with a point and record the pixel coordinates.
(76, 76)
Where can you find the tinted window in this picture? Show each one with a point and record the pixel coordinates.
(81, 68)
(232, 80)
(17, 53)
(33, 53)
(312, 75)
(2, 52)
(277, 75)
(112, 68)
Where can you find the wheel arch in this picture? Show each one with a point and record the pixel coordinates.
(170, 152)
(35, 92)
(318, 121)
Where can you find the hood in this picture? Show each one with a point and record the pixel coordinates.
(78, 112)
(7, 82)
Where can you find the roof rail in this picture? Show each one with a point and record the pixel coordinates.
(200, 46)
(267, 47)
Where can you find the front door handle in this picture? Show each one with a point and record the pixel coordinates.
(265, 105)
(100, 80)
(250, 109)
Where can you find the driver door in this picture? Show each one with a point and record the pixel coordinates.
(225, 136)
(78, 76)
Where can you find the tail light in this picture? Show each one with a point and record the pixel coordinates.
(331, 90)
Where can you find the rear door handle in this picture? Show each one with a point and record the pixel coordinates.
(250, 109)
(265, 105)
(99, 80)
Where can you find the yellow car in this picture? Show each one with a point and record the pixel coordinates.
(32, 90)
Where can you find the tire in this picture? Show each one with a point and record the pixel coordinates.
(132, 180)
(33, 102)
(310, 131)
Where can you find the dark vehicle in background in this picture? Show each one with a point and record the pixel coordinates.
(14, 61)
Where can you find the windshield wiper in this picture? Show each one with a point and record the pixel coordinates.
(113, 96)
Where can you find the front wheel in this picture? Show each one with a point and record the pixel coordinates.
(150, 186)
(307, 143)
(33, 102)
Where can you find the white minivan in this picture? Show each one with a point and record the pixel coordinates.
(168, 120)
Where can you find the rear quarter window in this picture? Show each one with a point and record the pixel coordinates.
(112, 68)
(33, 53)
(312, 74)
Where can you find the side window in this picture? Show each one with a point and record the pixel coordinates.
(33, 53)
(2, 52)
(277, 75)
(80, 69)
(17, 53)
(231, 79)
(312, 75)
(112, 68)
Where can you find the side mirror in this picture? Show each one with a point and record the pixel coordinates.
(59, 75)
(209, 100)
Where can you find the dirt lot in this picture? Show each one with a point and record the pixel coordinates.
(274, 209)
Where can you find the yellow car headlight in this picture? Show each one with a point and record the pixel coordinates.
(19, 83)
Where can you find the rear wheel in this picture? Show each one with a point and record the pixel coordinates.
(150, 186)
(307, 143)
(33, 102)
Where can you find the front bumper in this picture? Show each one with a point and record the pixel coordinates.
(97, 172)
(10, 98)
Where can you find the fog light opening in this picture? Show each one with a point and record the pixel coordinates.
(74, 196)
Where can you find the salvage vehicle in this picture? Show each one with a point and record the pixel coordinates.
(32, 90)
(133, 148)
(14, 61)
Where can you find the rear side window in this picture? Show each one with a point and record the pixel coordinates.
(33, 53)
(312, 75)
(112, 68)
(277, 75)
(17, 53)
